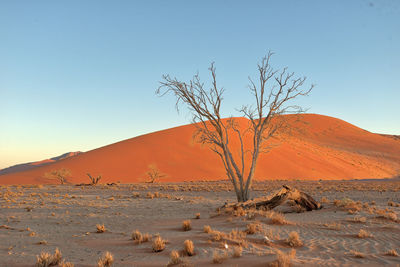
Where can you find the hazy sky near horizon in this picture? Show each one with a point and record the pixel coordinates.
(77, 75)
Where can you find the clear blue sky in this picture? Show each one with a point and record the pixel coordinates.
(77, 75)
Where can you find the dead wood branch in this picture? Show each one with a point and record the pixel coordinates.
(268, 203)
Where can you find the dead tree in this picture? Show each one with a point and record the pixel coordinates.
(154, 174)
(94, 181)
(273, 95)
(61, 175)
(286, 193)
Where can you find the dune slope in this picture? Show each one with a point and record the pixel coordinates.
(320, 147)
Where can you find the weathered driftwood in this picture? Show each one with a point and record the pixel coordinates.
(268, 203)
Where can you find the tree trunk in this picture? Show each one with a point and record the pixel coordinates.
(302, 199)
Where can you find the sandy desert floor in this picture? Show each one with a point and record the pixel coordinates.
(358, 226)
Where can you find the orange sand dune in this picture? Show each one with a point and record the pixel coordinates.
(321, 147)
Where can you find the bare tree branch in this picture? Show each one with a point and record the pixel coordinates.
(273, 96)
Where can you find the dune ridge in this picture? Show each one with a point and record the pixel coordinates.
(31, 165)
(320, 147)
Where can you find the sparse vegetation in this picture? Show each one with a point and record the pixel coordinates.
(219, 256)
(363, 234)
(188, 247)
(174, 258)
(283, 259)
(45, 259)
(253, 228)
(294, 239)
(276, 218)
(94, 180)
(154, 174)
(66, 264)
(207, 229)
(106, 260)
(158, 244)
(187, 225)
(60, 175)
(237, 251)
(100, 228)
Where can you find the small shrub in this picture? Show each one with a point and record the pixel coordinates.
(217, 235)
(197, 216)
(158, 244)
(43, 260)
(137, 236)
(174, 258)
(283, 259)
(66, 264)
(277, 218)
(253, 228)
(219, 256)
(294, 239)
(363, 234)
(57, 256)
(189, 247)
(46, 259)
(207, 229)
(187, 225)
(106, 261)
(100, 228)
(237, 252)
(146, 237)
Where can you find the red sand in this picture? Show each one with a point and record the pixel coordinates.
(321, 148)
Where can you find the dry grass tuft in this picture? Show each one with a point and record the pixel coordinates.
(392, 252)
(46, 259)
(219, 256)
(101, 228)
(283, 259)
(158, 244)
(294, 239)
(277, 218)
(187, 225)
(137, 236)
(174, 258)
(106, 261)
(188, 247)
(197, 215)
(146, 237)
(237, 252)
(363, 234)
(207, 229)
(43, 260)
(66, 264)
(253, 228)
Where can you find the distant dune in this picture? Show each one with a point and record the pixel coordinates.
(31, 165)
(320, 147)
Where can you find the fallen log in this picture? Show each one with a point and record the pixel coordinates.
(268, 203)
